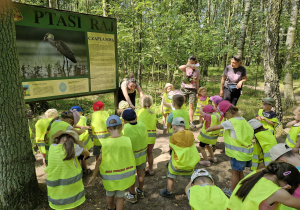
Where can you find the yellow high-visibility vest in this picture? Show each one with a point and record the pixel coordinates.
(240, 148)
(85, 136)
(138, 136)
(292, 136)
(187, 158)
(263, 189)
(197, 111)
(264, 141)
(98, 125)
(40, 131)
(209, 137)
(149, 121)
(64, 180)
(167, 110)
(117, 167)
(267, 125)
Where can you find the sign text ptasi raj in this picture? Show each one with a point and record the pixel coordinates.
(70, 21)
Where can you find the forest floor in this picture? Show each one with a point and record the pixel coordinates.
(95, 194)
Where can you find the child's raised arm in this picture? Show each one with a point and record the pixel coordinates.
(214, 128)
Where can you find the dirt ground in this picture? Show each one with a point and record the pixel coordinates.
(95, 195)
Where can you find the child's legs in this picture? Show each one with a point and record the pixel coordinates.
(210, 150)
(165, 116)
(202, 150)
(235, 178)
(237, 171)
(191, 111)
(110, 201)
(170, 184)
(141, 178)
(150, 155)
(83, 163)
(120, 203)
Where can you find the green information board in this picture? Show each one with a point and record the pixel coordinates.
(65, 54)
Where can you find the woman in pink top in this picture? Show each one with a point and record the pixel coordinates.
(190, 84)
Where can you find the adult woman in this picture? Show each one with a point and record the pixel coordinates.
(232, 80)
(190, 84)
(127, 91)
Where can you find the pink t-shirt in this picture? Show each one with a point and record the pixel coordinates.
(195, 77)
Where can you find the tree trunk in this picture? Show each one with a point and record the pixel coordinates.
(271, 65)
(290, 39)
(208, 12)
(18, 183)
(244, 26)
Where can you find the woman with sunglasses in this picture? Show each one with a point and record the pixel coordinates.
(190, 84)
(232, 80)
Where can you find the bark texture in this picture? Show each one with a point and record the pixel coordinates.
(18, 183)
(290, 39)
(271, 64)
(244, 25)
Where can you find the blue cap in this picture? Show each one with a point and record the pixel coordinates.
(129, 114)
(113, 117)
(78, 109)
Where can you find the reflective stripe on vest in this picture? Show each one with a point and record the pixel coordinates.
(87, 141)
(177, 170)
(101, 136)
(254, 164)
(267, 155)
(40, 144)
(290, 140)
(66, 201)
(255, 157)
(170, 134)
(118, 176)
(68, 181)
(209, 137)
(239, 149)
(140, 153)
(151, 134)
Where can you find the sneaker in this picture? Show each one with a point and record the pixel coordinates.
(131, 198)
(192, 125)
(165, 193)
(214, 160)
(139, 193)
(227, 192)
(206, 163)
(164, 127)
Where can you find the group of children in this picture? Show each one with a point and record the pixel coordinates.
(123, 144)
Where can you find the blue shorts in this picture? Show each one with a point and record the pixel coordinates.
(239, 165)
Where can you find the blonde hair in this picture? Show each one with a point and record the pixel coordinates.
(168, 85)
(146, 102)
(51, 113)
(201, 88)
(122, 106)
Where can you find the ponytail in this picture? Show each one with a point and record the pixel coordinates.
(46, 139)
(283, 171)
(69, 147)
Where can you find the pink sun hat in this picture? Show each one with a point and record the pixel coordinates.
(223, 107)
(208, 109)
(216, 99)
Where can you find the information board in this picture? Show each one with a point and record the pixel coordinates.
(65, 54)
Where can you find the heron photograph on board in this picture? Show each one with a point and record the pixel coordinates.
(51, 53)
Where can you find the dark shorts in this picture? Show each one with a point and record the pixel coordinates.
(96, 150)
(232, 96)
(201, 144)
(239, 165)
(189, 94)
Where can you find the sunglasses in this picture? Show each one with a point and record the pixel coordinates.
(236, 59)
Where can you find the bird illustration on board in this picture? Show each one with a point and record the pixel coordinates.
(61, 47)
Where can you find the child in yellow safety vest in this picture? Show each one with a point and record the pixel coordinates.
(64, 175)
(266, 116)
(138, 135)
(237, 138)
(215, 100)
(116, 163)
(203, 194)
(84, 137)
(41, 129)
(264, 141)
(65, 121)
(148, 117)
(98, 124)
(211, 118)
(202, 101)
(293, 137)
(178, 101)
(184, 155)
(166, 99)
(267, 188)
